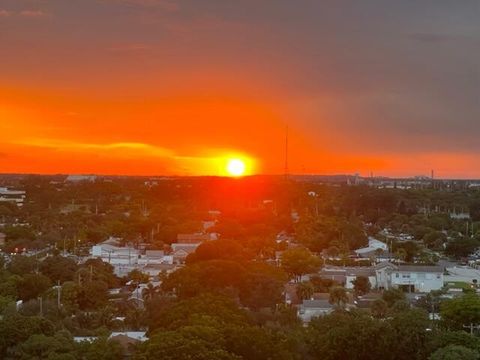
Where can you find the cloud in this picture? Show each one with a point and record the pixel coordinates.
(143, 148)
(133, 47)
(5, 13)
(33, 13)
(27, 13)
(166, 5)
(432, 37)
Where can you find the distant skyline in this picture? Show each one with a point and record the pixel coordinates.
(174, 87)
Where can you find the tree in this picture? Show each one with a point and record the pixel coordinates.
(460, 338)
(361, 285)
(434, 239)
(198, 343)
(39, 346)
(338, 296)
(391, 296)
(21, 265)
(92, 295)
(461, 247)
(219, 249)
(96, 269)
(352, 336)
(165, 314)
(460, 312)
(262, 286)
(149, 292)
(298, 262)
(101, 349)
(69, 296)
(137, 276)
(379, 308)
(205, 276)
(410, 334)
(15, 329)
(305, 290)
(455, 352)
(59, 268)
(33, 285)
(322, 285)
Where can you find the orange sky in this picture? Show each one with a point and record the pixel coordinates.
(152, 87)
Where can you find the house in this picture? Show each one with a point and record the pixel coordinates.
(410, 278)
(374, 246)
(208, 225)
(139, 336)
(181, 251)
(351, 275)
(346, 275)
(196, 238)
(115, 255)
(338, 275)
(80, 178)
(80, 339)
(366, 301)
(154, 254)
(460, 215)
(310, 309)
(16, 197)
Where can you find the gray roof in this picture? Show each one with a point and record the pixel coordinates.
(318, 304)
(385, 264)
(361, 271)
(330, 272)
(420, 268)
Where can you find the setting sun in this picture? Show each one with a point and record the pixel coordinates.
(236, 167)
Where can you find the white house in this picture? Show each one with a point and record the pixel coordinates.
(351, 274)
(310, 309)
(373, 246)
(411, 278)
(80, 178)
(16, 197)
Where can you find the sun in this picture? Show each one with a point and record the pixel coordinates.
(236, 167)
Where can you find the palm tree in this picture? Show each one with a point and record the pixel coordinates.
(338, 296)
(149, 292)
(305, 290)
(401, 254)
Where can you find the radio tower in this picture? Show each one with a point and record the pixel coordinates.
(286, 152)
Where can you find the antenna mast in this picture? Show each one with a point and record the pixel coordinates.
(286, 152)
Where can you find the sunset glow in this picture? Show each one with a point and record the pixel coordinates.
(236, 167)
(171, 89)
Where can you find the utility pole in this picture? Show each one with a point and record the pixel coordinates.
(58, 294)
(471, 327)
(286, 152)
(41, 305)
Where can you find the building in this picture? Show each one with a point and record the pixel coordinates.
(80, 178)
(459, 215)
(126, 258)
(410, 278)
(181, 251)
(351, 274)
(310, 309)
(374, 246)
(195, 238)
(339, 275)
(16, 197)
(3, 238)
(345, 276)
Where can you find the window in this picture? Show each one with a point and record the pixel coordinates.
(397, 275)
